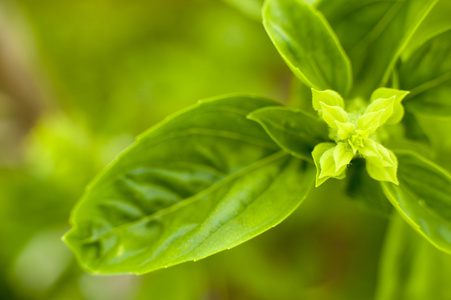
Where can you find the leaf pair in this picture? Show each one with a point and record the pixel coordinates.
(343, 41)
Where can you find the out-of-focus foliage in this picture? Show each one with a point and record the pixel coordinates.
(80, 79)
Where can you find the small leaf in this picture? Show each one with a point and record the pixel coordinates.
(381, 163)
(373, 34)
(333, 114)
(382, 173)
(423, 198)
(343, 155)
(327, 164)
(377, 113)
(398, 108)
(368, 123)
(307, 44)
(345, 130)
(323, 157)
(328, 97)
(204, 180)
(293, 130)
(427, 74)
(317, 154)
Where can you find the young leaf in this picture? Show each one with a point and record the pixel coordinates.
(398, 108)
(328, 97)
(427, 74)
(423, 198)
(326, 166)
(342, 157)
(203, 181)
(373, 34)
(307, 44)
(376, 114)
(293, 130)
(333, 115)
(381, 163)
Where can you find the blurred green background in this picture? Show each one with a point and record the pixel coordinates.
(79, 80)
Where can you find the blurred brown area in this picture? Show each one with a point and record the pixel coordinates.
(21, 100)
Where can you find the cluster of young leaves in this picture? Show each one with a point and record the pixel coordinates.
(230, 168)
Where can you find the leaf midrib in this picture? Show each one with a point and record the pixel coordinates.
(256, 165)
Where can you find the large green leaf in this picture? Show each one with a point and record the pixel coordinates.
(423, 198)
(437, 132)
(373, 34)
(203, 181)
(436, 22)
(427, 74)
(411, 268)
(307, 44)
(292, 129)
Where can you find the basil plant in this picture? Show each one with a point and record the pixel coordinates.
(372, 83)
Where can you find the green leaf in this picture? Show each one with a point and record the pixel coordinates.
(414, 130)
(436, 22)
(333, 115)
(343, 155)
(427, 74)
(381, 163)
(328, 97)
(411, 268)
(423, 198)
(292, 129)
(326, 166)
(438, 135)
(345, 130)
(373, 34)
(375, 115)
(307, 44)
(398, 108)
(204, 180)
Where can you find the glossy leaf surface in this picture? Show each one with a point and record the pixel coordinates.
(436, 22)
(423, 198)
(398, 108)
(293, 130)
(307, 44)
(203, 181)
(427, 74)
(373, 34)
